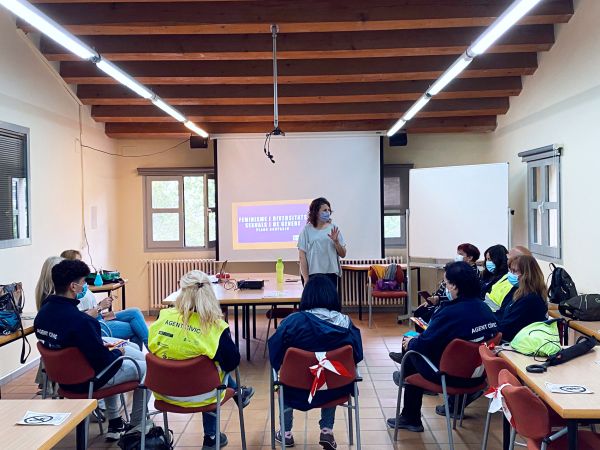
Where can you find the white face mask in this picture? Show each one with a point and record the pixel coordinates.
(458, 258)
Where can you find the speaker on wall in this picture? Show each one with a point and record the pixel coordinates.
(398, 140)
(198, 142)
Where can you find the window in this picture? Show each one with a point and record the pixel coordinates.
(180, 209)
(543, 201)
(15, 223)
(395, 204)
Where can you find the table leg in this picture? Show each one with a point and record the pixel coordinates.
(123, 298)
(361, 293)
(247, 321)
(572, 434)
(80, 435)
(254, 321)
(236, 326)
(505, 433)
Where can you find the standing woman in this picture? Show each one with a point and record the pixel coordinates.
(321, 244)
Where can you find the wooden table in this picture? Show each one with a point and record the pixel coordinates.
(273, 294)
(109, 288)
(587, 328)
(572, 407)
(42, 436)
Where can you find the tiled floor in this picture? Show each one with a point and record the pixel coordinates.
(377, 401)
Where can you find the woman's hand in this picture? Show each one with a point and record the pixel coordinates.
(105, 303)
(405, 342)
(434, 300)
(335, 235)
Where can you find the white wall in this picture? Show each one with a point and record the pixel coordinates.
(31, 96)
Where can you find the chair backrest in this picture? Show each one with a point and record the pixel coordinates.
(506, 376)
(529, 413)
(181, 378)
(374, 277)
(461, 358)
(295, 372)
(493, 365)
(66, 366)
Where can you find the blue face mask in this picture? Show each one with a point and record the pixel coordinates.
(448, 294)
(324, 216)
(490, 266)
(513, 279)
(81, 294)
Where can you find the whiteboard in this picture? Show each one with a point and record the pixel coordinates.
(454, 205)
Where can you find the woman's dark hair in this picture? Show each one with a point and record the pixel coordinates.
(313, 210)
(67, 271)
(320, 292)
(498, 255)
(461, 275)
(470, 250)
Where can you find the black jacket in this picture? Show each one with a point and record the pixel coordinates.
(59, 324)
(514, 315)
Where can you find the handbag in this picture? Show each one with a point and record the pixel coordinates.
(10, 315)
(538, 339)
(156, 439)
(581, 307)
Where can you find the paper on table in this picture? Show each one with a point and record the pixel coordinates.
(568, 388)
(45, 418)
(276, 294)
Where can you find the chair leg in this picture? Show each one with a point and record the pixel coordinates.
(447, 410)
(455, 412)
(218, 436)
(241, 409)
(267, 338)
(281, 417)
(370, 310)
(100, 423)
(144, 414)
(166, 425)
(272, 404)
(398, 401)
(513, 436)
(462, 409)
(356, 416)
(124, 405)
(350, 431)
(486, 430)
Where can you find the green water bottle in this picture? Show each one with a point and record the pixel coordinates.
(279, 270)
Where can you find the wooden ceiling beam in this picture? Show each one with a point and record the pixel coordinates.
(479, 124)
(304, 113)
(303, 71)
(290, 94)
(371, 44)
(306, 16)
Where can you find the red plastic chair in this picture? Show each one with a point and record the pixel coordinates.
(533, 420)
(400, 294)
(186, 378)
(460, 359)
(69, 366)
(295, 373)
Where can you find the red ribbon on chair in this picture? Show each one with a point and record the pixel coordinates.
(498, 402)
(318, 371)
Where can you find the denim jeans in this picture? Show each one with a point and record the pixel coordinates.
(209, 420)
(129, 324)
(327, 417)
(128, 372)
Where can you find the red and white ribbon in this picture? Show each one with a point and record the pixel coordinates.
(498, 402)
(318, 371)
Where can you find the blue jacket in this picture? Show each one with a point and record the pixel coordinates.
(514, 315)
(59, 324)
(305, 331)
(469, 319)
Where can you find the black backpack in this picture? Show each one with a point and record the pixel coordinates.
(561, 285)
(155, 440)
(581, 307)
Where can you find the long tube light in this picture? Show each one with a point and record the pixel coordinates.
(196, 129)
(159, 102)
(416, 107)
(452, 72)
(508, 18)
(49, 27)
(397, 127)
(124, 78)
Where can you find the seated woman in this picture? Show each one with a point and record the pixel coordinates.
(319, 326)
(465, 252)
(526, 302)
(496, 267)
(127, 324)
(195, 327)
(463, 316)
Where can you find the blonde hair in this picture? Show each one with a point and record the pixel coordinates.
(45, 286)
(71, 254)
(197, 296)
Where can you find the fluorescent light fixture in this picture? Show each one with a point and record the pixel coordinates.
(451, 72)
(110, 69)
(196, 129)
(508, 18)
(169, 109)
(418, 106)
(397, 127)
(49, 27)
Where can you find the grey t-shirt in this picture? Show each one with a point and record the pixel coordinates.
(321, 255)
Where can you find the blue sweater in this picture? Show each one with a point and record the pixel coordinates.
(514, 315)
(305, 331)
(59, 324)
(469, 319)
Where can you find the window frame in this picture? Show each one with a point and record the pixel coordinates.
(543, 158)
(392, 171)
(175, 174)
(22, 133)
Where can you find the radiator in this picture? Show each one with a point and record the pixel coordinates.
(164, 276)
(352, 282)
